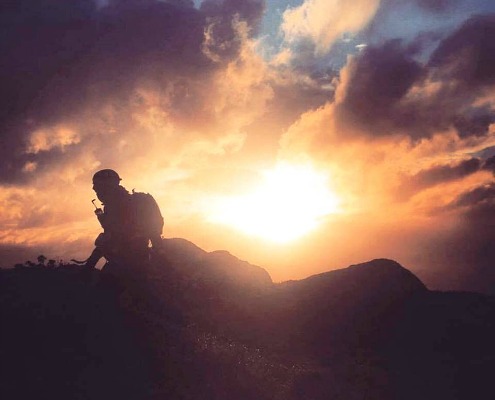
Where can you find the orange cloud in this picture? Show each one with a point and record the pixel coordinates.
(54, 137)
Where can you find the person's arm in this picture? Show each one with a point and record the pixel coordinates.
(102, 218)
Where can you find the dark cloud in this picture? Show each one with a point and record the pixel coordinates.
(38, 41)
(380, 79)
(63, 59)
(474, 122)
(477, 199)
(437, 6)
(468, 55)
(461, 70)
(57, 53)
(437, 175)
(489, 164)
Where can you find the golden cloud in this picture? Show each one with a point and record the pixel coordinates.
(55, 137)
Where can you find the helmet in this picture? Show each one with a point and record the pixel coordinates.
(108, 176)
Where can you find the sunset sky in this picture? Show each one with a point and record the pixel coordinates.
(301, 136)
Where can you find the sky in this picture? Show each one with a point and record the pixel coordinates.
(301, 136)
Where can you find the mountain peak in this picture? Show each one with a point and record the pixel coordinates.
(388, 272)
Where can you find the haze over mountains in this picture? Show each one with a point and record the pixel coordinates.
(199, 325)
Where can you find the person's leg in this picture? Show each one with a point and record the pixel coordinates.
(94, 257)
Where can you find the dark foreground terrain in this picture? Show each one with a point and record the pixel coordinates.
(197, 325)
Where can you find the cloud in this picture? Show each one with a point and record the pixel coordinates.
(438, 175)
(57, 137)
(437, 6)
(389, 92)
(489, 164)
(64, 56)
(381, 78)
(75, 74)
(467, 56)
(477, 199)
(324, 21)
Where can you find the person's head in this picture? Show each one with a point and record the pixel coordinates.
(106, 184)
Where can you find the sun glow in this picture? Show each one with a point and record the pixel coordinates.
(289, 203)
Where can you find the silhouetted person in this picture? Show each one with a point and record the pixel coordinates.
(129, 221)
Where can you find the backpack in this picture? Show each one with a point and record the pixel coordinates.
(149, 220)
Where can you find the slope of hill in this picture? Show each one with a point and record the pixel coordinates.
(199, 325)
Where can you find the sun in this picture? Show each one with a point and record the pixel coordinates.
(289, 203)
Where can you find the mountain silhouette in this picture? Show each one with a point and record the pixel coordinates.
(205, 325)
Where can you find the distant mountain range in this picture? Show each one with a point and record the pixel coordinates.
(198, 325)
